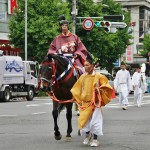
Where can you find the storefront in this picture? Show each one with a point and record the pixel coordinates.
(8, 48)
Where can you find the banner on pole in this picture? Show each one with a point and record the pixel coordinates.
(12, 4)
(129, 54)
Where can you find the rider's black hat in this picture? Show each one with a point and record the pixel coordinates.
(63, 20)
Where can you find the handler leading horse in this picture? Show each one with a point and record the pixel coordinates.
(58, 75)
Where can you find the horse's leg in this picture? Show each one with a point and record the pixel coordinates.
(55, 114)
(69, 120)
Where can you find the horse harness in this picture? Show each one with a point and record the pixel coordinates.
(54, 79)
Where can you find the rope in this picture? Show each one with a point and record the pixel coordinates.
(53, 97)
(93, 102)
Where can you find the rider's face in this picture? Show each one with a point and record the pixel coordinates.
(64, 27)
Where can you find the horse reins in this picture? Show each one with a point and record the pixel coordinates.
(54, 79)
(52, 95)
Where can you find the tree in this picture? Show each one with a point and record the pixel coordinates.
(106, 47)
(43, 25)
(146, 48)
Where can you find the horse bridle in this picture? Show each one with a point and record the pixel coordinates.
(53, 79)
(54, 68)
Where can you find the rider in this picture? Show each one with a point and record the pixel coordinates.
(69, 43)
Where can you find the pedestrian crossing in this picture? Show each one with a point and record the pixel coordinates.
(113, 104)
(131, 104)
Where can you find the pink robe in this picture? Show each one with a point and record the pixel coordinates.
(70, 43)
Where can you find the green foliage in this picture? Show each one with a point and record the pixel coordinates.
(43, 25)
(41, 93)
(106, 47)
(146, 43)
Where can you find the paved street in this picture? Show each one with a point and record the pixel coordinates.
(28, 125)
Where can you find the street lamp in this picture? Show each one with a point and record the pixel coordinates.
(26, 30)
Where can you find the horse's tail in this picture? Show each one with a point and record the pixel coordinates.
(61, 107)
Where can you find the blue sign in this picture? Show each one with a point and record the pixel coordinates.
(13, 66)
(117, 63)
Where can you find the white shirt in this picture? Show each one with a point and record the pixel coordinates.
(136, 80)
(122, 77)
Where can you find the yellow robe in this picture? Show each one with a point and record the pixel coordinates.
(82, 91)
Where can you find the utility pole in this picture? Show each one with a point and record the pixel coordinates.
(74, 13)
(26, 30)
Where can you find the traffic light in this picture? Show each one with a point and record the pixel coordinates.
(114, 17)
(104, 24)
(118, 25)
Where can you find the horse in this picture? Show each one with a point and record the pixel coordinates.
(58, 76)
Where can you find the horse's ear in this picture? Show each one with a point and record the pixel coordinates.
(49, 57)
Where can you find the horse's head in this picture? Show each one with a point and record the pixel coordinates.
(51, 68)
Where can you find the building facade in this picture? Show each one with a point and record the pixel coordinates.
(139, 25)
(6, 10)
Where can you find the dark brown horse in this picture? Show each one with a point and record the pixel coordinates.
(57, 78)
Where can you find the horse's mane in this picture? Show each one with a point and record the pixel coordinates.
(62, 60)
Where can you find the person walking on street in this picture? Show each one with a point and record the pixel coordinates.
(139, 83)
(122, 85)
(91, 92)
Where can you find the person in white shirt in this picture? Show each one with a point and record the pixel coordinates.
(122, 84)
(139, 85)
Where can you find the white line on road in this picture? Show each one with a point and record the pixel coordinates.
(8, 115)
(33, 105)
(144, 96)
(131, 104)
(38, 113)
(47, 103)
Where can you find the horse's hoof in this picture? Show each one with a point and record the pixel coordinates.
(58, 137)
(68, 139)
(79, 134)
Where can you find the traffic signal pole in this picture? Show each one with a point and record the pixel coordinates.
(74, 13)
(26, 52)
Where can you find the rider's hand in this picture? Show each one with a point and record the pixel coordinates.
(75, 56)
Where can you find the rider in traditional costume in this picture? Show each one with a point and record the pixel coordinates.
(68, 42)
(91, 91)
(122, 85)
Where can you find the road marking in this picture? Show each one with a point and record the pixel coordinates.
(8, 115)
(131, 104)
(35, 105)
(143, 96)
(47, 103)
(38, 113)
(32, 105)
